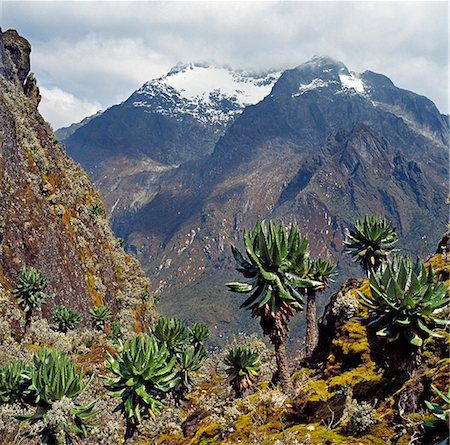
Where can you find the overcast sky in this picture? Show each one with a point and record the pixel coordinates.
(91, 55)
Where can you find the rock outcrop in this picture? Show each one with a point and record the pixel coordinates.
(50, 216)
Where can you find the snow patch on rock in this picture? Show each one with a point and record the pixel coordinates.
(352, 81)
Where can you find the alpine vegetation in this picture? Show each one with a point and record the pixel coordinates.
(100, 315)
(66, 318)
(142, 371)
(371, 241)
(274, 257)
(242, 366)
(29, 291)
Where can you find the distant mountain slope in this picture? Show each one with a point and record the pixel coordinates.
(176, 118)
(50, 216)
(64, 133)
(318, 151)
(325, 147)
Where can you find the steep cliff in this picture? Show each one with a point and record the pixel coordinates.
(50, 216)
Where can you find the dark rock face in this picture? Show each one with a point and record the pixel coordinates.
(45, 216)
(324, 148)
(127, 131)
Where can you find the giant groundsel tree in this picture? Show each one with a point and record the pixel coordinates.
(323, 271)
(274, 254)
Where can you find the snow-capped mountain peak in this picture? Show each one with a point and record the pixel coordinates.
(320, 73)
(209, 93)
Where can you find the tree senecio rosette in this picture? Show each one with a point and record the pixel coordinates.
(29, 291)
(142, 372)
(405, 301)
(53, 380)
(274, 255)
(100, 315)
(405, 306)
(66, 318)
(243, 365)
(371, 241)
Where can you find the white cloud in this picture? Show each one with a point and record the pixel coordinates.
(105, 50)
(107, 69)
(61, 108)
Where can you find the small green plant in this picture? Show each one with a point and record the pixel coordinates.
(14, 382)
(121, 242)
(144, 295)
(197, 334)
(142, 372)
(243, 364)
(54, 382)
(66, 318)
(116, 334)
(440, 421)
(29, 291)
(171, 333)
(100, 315)
(94, 210)
(371, 241)
(189, 360)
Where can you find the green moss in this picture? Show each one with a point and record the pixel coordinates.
(317, 390)
(206, 433)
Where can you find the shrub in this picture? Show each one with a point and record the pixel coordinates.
(242, 368)
(362, 416)
(116, 334)
(197, 334)
(189, 360)
(405, 301)
(29, 291)
(100, 315)
(66, 318)
(371, 241)
(171, 333)
(345, 306)
(54, 386)
(14, 382)
(142, 372)
(94, 210)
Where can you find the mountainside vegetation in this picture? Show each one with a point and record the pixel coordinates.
(361, 385)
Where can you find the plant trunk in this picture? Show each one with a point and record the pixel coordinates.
(130, 431)
(28, 316)
(284, 377)
(311, 328)
(407, 366)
